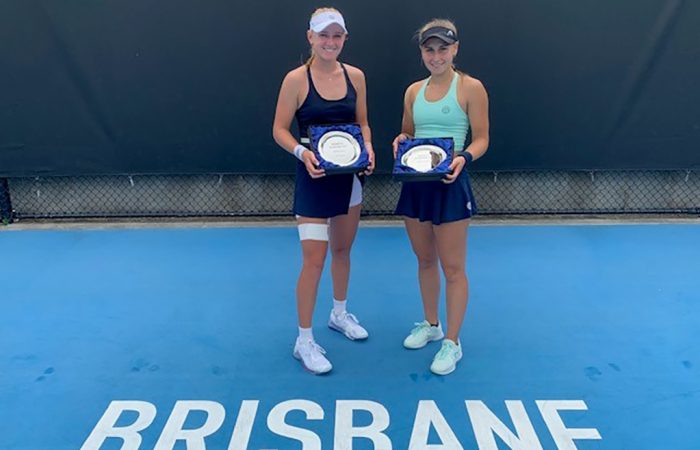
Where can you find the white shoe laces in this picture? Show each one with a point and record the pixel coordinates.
(347, 316)
(445, 351)
(421, 327)
(311, 346)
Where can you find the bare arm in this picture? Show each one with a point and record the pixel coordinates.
(287, 103)
(476, 108)
(284, 113)
(478, 112)
(407, 126)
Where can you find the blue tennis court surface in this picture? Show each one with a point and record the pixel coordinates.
(144, 333)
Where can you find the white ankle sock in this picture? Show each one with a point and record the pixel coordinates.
(338, 306)
(306, 334)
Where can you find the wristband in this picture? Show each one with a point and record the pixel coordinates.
(299, 152)
(466, 155)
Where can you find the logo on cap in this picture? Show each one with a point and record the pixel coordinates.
(450, 33)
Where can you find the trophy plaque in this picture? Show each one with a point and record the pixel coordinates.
(339, 148)
(423, 159)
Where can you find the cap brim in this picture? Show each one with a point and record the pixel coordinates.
(323, 25)
(438, 35)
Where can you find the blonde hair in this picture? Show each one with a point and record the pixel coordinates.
(445, 23)
(318, 11)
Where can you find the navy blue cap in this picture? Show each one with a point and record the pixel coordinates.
(446, 35)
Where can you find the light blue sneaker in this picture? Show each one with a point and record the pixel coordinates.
(422, 334)
(446, 359)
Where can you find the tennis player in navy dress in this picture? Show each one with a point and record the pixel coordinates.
(327, 208)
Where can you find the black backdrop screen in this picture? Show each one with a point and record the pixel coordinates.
(185, 86)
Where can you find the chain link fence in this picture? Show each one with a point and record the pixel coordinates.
(5, 204)
(497, 193)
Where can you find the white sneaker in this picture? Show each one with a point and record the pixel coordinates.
(422, 334)
(311, 356)
(347, 324)
(446, 359)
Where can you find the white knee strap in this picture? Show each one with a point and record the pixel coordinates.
(313, 231)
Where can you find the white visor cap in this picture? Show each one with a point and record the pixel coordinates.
(322, 20)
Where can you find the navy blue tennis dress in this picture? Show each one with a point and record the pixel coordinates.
(327, 196)
(435, 201)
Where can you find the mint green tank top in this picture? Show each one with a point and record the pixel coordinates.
(443, 118)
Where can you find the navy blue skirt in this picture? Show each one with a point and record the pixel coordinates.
(437, 202)
(323, 197)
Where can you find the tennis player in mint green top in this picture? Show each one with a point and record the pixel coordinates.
(442, 118)
(436, 213)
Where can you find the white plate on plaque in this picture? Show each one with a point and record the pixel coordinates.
(339, 147)
(423, 158)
